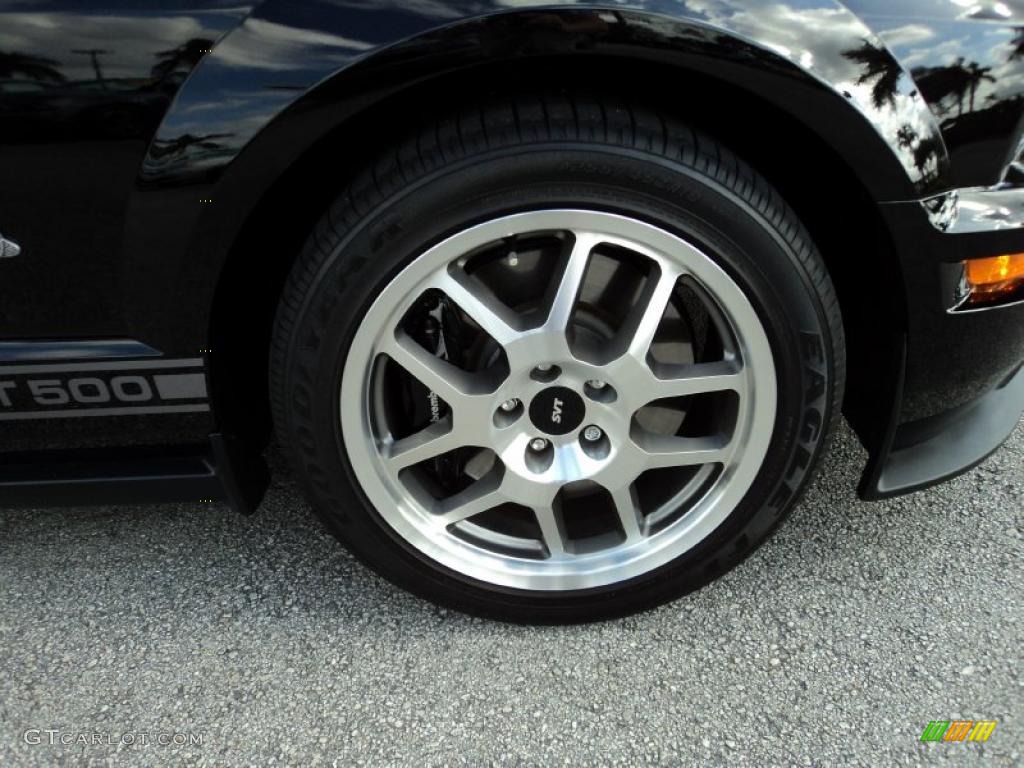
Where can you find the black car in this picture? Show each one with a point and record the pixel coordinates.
(553, 306)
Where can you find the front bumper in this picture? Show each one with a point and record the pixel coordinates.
(930, 450)
(955, 387)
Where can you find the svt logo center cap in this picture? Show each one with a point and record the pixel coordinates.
(557, 411)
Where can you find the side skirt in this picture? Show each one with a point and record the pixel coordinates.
(224, 471)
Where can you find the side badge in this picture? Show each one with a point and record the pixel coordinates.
(8, 248)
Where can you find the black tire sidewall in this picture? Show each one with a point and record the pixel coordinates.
(753, 248)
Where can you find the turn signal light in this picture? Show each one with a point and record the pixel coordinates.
(994, 279)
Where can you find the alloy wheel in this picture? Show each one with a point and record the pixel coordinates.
(558, 399)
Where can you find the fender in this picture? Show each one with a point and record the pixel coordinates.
(292, 72)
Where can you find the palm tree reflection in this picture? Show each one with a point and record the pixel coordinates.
(884, 74)
(880, 67)
(37, 68)
(976, 75)
(953, 86)
(924, 151)
(181, 59)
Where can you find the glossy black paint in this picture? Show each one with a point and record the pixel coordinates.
(968, 62)
(137, 139)
(951, 358)
(91, 349)
(82, 92)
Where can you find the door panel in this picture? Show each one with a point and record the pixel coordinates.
(81, 95)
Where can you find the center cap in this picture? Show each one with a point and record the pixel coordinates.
(557, 410)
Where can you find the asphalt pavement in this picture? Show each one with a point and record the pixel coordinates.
(129, 635)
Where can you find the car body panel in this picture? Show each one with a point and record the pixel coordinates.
(137, 138)
(968, 62)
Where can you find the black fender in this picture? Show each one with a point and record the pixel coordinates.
(293, 72)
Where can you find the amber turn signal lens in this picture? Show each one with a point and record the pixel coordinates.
(994, 278)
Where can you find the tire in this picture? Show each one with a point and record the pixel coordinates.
(770, 313)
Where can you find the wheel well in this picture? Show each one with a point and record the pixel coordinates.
(818, 184)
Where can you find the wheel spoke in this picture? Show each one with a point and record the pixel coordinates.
(428, 443)
(663, 451)
(486, 493)
(629, 512)
(570, 281)
(695, 379)
(451, 384)
(649, 310)
(477, 301)
(551, 530)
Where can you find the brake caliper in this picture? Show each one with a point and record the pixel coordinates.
(436, 325)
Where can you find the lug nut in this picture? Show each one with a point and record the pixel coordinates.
(592, 434)
(509, 405)
(545, 372)
(538, 444)
(596, 384)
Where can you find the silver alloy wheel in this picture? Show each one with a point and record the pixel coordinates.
(721, 467)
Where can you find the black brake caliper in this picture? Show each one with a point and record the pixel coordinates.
(435, 323)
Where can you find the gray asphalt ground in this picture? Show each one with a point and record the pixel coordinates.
(834, 645)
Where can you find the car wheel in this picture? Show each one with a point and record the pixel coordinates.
(556, 359)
